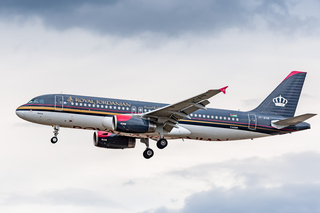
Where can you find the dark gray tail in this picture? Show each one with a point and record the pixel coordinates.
(284, 99)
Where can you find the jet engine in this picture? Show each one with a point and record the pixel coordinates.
(129, 124)
(112, 141)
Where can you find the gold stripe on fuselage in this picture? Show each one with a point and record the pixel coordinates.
(67, 110)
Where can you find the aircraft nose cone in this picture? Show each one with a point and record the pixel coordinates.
(20, 113)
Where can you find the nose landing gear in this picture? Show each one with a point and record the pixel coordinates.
(56, 129)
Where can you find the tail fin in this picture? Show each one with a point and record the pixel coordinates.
(284, 99)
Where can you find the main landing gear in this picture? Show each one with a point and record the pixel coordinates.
(56, 129)
(148, 153)
(162, 143)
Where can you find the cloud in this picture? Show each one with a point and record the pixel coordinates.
(287, 198)
(71, 196)
(294, 168)
(288, 183)
(170, 18)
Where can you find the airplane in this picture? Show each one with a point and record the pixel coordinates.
(118, 123)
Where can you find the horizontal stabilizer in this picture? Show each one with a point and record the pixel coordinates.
(291, 121)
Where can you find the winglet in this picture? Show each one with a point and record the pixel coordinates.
(223, 89)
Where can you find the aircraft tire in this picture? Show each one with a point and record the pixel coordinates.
(148, 153)
(54, 140)
(162, 143)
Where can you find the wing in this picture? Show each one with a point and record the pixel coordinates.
(169, 115)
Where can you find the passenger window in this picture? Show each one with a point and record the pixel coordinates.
(195, 115)
(134, 110)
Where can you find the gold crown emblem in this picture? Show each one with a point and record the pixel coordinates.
(280, 101)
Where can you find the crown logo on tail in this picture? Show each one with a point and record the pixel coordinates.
(280, 101)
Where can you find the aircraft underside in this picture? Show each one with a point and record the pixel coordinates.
(184, 131)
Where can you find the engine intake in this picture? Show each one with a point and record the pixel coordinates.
(129, 124)
(111, 141)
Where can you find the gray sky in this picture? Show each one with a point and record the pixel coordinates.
(161, 51)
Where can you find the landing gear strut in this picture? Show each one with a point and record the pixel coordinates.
(148, 153)
(162, 143)
(56, 129)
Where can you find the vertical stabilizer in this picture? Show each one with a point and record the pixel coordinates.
(284, 99)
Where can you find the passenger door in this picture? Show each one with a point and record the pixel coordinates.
(58, 103)
(252, 124)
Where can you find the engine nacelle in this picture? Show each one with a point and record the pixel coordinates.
(112, 141)
(129, 124)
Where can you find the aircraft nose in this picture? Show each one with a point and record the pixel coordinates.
(20, 113)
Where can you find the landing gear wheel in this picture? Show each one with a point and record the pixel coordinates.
(148, 153)
(162, 143)
(54, 140)
(56, 129)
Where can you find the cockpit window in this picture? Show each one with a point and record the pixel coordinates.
(36, 101)
(32, 101)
